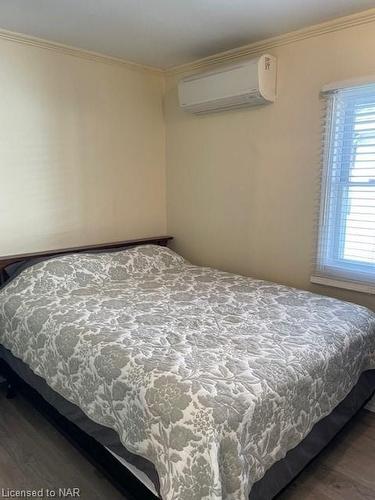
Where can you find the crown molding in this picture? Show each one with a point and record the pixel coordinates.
(74, 51)
(341, 23)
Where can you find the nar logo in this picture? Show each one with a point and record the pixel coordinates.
(69, 492)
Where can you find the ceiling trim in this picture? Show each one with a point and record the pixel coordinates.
(74, 51)
(337, 24)
(341, 23)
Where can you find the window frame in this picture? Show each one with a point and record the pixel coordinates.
(331, 267)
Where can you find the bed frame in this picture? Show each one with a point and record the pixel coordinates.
(13, 259)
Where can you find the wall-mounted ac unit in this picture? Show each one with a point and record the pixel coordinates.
(245, 83)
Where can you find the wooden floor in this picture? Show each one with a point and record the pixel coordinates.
(345, 470)
(34, 455)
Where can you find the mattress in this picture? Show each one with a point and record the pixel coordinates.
(211, 377)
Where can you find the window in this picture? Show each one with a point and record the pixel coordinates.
(346, 247)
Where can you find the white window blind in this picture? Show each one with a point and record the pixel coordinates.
(346, 246)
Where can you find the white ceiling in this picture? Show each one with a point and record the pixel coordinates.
(165, 33)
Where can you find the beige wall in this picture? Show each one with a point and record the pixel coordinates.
(242, 185)
(82, 150)
(82, 159)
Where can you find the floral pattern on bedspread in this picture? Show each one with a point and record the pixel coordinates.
(211, 376)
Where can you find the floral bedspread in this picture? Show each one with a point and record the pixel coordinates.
(211, 376)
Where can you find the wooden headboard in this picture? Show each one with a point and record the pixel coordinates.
(155, 240)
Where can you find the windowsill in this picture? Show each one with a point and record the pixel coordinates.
(347, 285)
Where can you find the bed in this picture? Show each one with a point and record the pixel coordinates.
(205, 384)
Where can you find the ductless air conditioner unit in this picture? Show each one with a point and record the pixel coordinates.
(245, 83)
